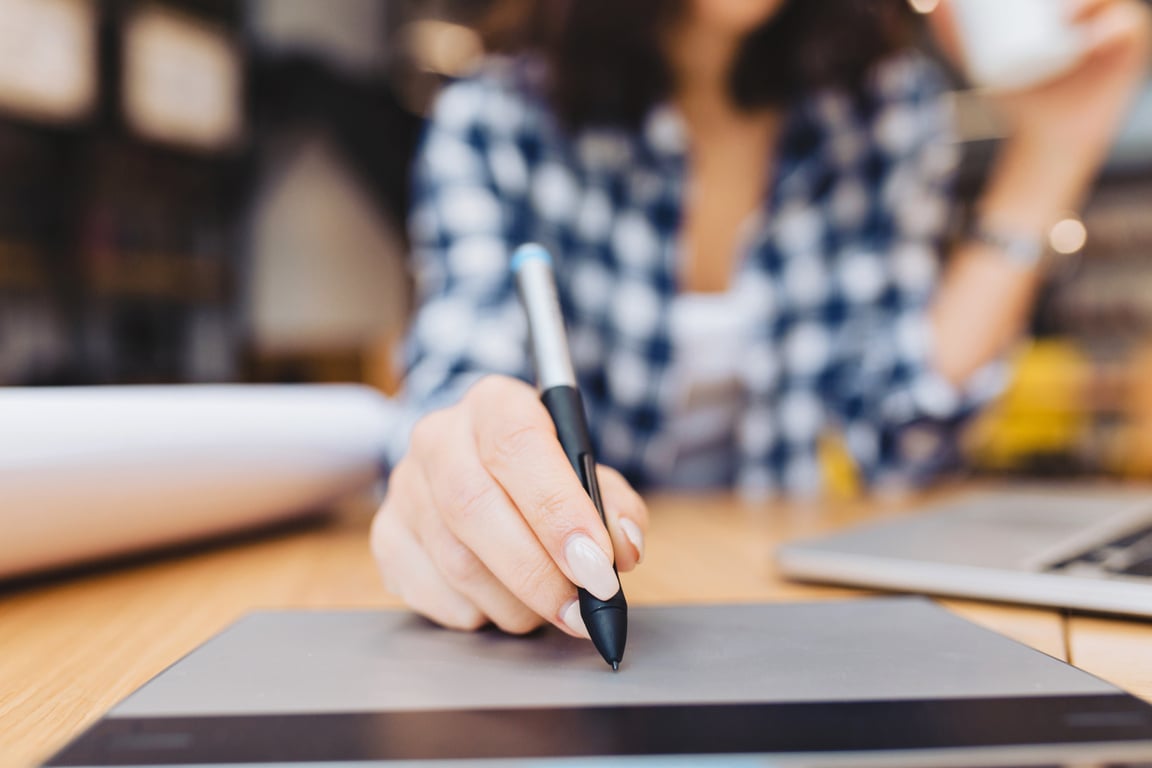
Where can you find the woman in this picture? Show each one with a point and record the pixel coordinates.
(746, 199)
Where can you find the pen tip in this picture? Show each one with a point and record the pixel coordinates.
(615, 666)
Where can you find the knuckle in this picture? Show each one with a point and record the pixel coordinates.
(551, 508)
(537, 582)
(464, 616)
(468, 620)
(400, 502)
(428, 432)
(387, 549)
(511, 445)
(458, 564)
(485, 389)
(495, 393)
(383, 536)
(496, 387)
(399, 482)
(520, 623)
(467, 498)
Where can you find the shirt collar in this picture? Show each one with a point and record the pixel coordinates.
(665, 133)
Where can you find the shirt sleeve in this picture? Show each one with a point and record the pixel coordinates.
(468, 321)
(901, 416)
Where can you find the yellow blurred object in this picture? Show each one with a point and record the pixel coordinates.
(1044, 412)
(840, 474)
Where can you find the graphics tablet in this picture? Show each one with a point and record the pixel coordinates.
(889, 682)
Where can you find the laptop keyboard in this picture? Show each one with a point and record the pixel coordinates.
(1129, 555)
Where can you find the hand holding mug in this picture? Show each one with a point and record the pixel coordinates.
(1063, 71)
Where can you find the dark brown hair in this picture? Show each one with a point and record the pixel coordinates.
(606, 65)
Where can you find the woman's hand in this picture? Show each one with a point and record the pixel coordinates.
(1083, 109)
(485, 521)
(1074, 118)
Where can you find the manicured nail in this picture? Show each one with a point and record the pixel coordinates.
(633, 533)
(572, 619)
(590, 567)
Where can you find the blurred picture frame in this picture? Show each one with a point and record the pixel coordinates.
(48, 66)
(182, 80)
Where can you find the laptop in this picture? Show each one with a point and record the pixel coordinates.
(1087, 549)
(877, 681)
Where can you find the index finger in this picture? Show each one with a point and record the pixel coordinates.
(524, 456)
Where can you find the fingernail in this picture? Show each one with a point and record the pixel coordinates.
(572, 619)
(633, 533)
(590, 567)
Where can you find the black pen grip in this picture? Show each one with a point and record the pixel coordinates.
(566, 408)
(606, 620)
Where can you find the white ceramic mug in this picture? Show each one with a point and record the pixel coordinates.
(1015, 44)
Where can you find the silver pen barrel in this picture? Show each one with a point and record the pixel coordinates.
(532, 267)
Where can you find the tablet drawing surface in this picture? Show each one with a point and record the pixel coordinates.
(858, 676)
(373, 661)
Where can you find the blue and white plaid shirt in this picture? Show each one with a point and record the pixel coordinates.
(841, 266)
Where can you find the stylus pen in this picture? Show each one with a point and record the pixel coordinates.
(606, 620)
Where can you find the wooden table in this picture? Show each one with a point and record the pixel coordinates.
(71, 647)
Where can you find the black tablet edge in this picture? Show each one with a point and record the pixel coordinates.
(658, 730)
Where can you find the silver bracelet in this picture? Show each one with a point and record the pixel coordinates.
(1026, 251)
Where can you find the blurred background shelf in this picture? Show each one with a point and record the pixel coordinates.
(215, 190)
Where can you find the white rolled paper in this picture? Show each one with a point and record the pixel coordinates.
(90, 472)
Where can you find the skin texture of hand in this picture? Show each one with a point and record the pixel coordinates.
(486, 522)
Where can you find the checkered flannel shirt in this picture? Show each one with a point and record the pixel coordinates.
(840, 266)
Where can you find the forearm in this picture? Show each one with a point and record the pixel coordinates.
(985, 299)
(1061, 132)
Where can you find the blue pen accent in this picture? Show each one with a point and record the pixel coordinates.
(529, 251)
